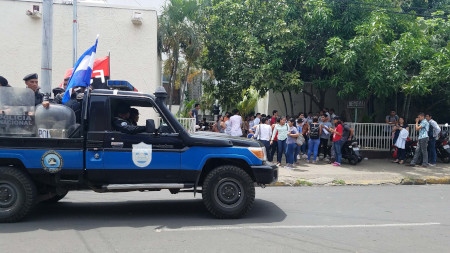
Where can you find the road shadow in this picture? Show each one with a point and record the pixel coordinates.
(171, 214)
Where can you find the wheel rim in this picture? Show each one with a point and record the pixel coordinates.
(8, 195)
(228, 192)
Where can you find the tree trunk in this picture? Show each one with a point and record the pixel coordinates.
(173, 77)
(407, 107)
(322, 99)
(311, 100)
(183, 87)
(405, 101)
(304, 104)
(292, 104)
(284, 101)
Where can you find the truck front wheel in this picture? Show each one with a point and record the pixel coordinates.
(228, 192)
(17, 194)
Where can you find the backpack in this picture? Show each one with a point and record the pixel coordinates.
(314, 131)
(430, 130)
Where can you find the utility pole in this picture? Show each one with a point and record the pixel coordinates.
(47, 44)
(74, 31)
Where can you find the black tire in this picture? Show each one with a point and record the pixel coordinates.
(56, 198)
(228, 192)
(17, 194)
(353, 160)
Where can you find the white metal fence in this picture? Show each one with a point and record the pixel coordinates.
(378, 136)
(188, 124)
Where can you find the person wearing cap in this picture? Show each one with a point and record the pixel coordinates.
(31, 81)
(4, 82)
(121, 121)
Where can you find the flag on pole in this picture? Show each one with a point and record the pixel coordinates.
(100, 73)
(82, 72)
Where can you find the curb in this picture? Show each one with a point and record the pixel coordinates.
(424, 181)
(404, 181)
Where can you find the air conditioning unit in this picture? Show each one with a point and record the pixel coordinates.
(34, 13)
(136, 18)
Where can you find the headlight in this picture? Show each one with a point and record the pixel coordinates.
(260, 152)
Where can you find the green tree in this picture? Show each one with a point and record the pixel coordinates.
(179, 38)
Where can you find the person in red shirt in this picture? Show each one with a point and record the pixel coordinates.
(273, 120)
(337, 140)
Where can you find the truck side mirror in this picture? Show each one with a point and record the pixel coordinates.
(150, 126)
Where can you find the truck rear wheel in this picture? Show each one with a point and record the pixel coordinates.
(228, 192)
(17, 194)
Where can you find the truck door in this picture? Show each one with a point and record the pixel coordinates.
(116, 157)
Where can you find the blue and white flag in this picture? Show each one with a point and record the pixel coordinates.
(82, 72)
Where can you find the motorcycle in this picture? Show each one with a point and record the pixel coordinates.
(350, 151)
(443, 147)
(410, 148)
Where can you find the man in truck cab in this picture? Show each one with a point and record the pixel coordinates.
(121, 121)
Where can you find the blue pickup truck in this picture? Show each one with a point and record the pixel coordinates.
(45, 153)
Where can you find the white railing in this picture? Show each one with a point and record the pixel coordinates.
(188, 124)
(378, 136)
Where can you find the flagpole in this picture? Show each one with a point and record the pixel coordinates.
(109, 66)
(74, 32)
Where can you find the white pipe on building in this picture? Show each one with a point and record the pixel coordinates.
(47, 39)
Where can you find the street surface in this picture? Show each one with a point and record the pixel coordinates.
(283, 219)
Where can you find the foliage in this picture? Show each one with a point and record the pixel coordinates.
(179, 38)
(188, 106)
(301, 182)
(361, 49)
(249, 102)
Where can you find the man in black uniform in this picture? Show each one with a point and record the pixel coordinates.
(4, 82)
(31, 81)
(121, 123)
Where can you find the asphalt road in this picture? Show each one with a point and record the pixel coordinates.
(283, 219)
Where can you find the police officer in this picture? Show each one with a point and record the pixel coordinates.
(31, 81)
(76, 102)
(121, 123)
(4, 82)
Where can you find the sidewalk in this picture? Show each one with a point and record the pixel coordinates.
(367, 172)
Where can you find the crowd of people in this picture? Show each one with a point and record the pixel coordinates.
(428, 130)
(322, 135)
(296, 137)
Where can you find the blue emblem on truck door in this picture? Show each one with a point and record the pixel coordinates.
(52, 161)
(142, 154)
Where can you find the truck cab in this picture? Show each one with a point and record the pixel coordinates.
(52, 154)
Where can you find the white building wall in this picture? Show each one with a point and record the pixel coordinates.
(133, 48)
(274, 101)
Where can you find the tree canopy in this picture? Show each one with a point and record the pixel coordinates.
(360, 48)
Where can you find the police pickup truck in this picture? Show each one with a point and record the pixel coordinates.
(44, 154)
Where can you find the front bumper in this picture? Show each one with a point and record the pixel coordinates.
(265, 174)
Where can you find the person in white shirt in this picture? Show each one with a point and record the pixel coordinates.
(257, 119)
(264, 133)
(281, 132)
(236, 123)
(433, 134)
